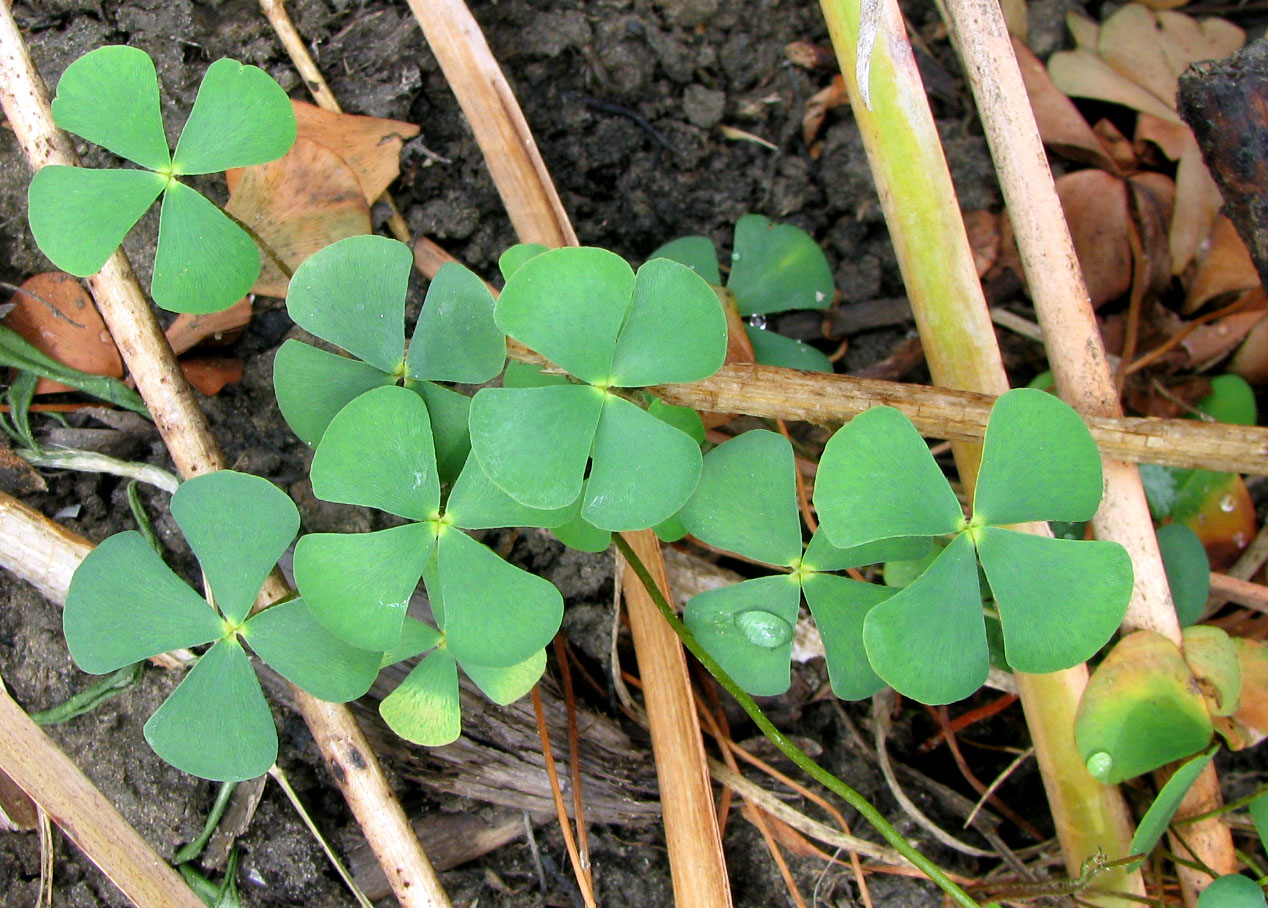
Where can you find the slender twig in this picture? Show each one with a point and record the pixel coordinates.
(570, 843)
(784, 743)
(574, 759)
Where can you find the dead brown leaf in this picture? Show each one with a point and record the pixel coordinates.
(984, 239)
(189, 329)
(17, 477)
(1225, 268)
(54, 313)
(1061, 126)
(1251, 359)
(209, 374)
(370, 146)
(818, 105)
(298, 204)
(1095, 206)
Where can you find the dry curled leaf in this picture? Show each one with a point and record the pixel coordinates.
(55, 314)
(369, 146)
(1225, 268)
(818, 105)
(984, 239)
(191, 329)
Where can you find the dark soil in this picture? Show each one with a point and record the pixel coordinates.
(625, 97)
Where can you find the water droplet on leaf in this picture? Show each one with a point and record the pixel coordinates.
(1100, 764)
(764, 629)
(1228, 504)
(757, 321)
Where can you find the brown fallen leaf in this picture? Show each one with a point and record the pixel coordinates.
(818, 105)
(370, 146)
(302, 202)
(1251, 359)
(190, 329)
(1095, 206)
(984, 239)
(1210, 343)
(54, 313)
(809, 55)
(209, 374)
(1226, 268)
(17, 477)
(1061, 126)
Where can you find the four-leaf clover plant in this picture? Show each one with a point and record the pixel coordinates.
(1059, 600)
(493, 618)
(125, 605)
(352, 294)
(204, 262)
(746, 503)
(589, 313)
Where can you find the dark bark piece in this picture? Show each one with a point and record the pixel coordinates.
(1225, 102)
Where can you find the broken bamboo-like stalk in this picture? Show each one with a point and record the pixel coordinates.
(939, 412)
(41, 769)
(920, 207)
(696, 860)
(185, 431)
(1078, 361)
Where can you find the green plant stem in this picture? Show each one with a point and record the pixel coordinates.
(785, 745)
(1222, 809)
(89, 699)
(195, 848)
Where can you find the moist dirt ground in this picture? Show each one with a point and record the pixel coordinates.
(629, 101)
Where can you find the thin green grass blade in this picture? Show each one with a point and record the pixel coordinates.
(569, 305)
(455, 338)
(776, 267)
(110, 96)
(696, 252)
(352, 294)
(358, 585)
(377, 453)
(481, 592)
(748, 628)
(450, 413)
(746, 500)
(17, 353)
(534, 442)
(1258, 810)
(297, 647)
(240, 117)
(124, 605)
(877, 480)
(80, 216)
(476, 503)
(840, 606)
(1158, 817)
(773, 349)
(424, 709)
(1059, 600)
(822, 555)
(928, 640)
(238, 526)
(1188, 571)
(506, 685)
(216, 724)
(313, 385)
(417, 637)
(204, 262)
(643, 470)
(1039, 462)
(674, 331)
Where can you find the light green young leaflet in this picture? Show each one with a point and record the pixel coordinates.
(377, 452)
(746, 503)
(1059, 601)
(589, 313)
(426, 707)
(204, 261)
(125, 604)
(352, 294)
